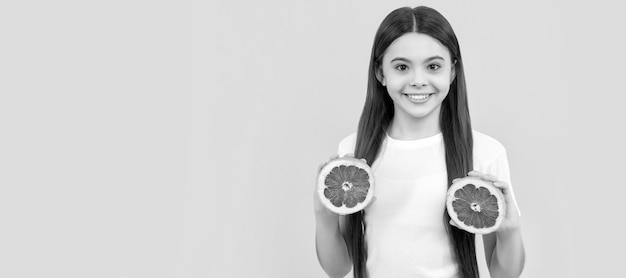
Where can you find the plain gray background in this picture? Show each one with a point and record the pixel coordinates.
(182, 138)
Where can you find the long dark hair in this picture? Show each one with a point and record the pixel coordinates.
(454, 122)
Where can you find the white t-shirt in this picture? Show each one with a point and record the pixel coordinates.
(405, 233)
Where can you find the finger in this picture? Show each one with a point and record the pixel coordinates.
(453, 223)
(321, 166)
(372, 201)
(503, 186)
(474, 173)
(489, 177)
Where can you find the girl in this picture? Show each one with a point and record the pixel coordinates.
(415, 128)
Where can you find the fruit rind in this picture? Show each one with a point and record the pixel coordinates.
(322, 187)
(478, 183)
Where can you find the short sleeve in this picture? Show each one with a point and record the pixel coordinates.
(500, 168)
(347, 145)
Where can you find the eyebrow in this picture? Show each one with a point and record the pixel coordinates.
(427, 59)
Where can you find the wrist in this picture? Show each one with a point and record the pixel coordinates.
(509, 232)
(326, 216)
(327, 224)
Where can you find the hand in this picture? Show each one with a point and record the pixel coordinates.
(511, 218)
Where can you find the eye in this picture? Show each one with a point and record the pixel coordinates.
(402, 67)
(434, 67)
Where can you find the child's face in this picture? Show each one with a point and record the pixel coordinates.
(417, 71)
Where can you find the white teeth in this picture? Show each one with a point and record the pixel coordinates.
(418, 97)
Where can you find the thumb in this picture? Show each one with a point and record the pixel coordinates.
(371, 201)
(453, 223)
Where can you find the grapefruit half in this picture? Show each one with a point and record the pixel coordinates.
(345, 185)
(475, 205)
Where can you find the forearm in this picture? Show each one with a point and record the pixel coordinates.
(508, 256)
(332, 252)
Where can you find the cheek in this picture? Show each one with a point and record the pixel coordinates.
(441, 82)
(396, 83)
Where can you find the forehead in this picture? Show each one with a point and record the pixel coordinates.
(416, 46)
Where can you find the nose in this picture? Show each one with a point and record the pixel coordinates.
(418, 79)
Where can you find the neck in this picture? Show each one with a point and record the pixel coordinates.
(409, 128)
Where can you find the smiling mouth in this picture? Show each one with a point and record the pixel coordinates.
(418, 97)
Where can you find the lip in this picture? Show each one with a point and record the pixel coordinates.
(418, 100)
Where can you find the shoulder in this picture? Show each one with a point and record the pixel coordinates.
(347, 144)
(487, 148)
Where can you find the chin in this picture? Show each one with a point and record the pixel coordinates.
(418, 116)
